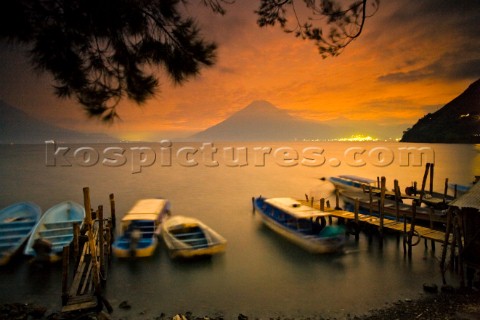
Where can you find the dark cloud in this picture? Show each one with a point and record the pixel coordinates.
(447, 68)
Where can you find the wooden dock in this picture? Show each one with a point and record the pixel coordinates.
(412, 233)
(91, 248)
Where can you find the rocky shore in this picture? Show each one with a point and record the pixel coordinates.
(455, 305)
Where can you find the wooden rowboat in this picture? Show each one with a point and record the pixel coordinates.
(187, 237)
(54, 230)
(16, 224)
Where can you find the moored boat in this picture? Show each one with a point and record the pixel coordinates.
(351, 182)
(16, 224)
(301, 224)
(140, 228)
(187, 237)
(54, 230)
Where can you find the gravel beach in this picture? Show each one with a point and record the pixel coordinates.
(458, 305)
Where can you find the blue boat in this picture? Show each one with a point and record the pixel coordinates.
(301, 224)
(55, 228)
(16, 224)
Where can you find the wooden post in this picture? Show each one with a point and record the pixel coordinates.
(431, 178)
(101, 244)
(424, 181)
(337, 199)
(412, 230)
(112, 211)
(76, 243)
(370, 199)
(445, 191)
(355, 211)
(322, 204)
(311, 202)
(445, 244)
(458, 231)
(396, 189)
(89, 228)
(88, 206)
(405, 237)
(65, 267)
(381, 203)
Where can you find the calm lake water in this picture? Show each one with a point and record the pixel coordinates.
(260, 274)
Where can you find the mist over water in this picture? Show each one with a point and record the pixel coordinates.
(260, 274)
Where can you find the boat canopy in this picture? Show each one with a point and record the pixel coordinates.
(147, 209)
(295, 208)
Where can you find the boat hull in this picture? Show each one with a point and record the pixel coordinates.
(141, 227)
(314, 242)
(16, 224)
(187, 237)
(122, 248)
(56, 227)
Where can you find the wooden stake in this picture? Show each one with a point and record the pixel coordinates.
(112, 211)
(101, 239)
(431, 178)
(424, 181)
(65, 267)
(76, 242)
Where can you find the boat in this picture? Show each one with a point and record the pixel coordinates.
(187, 237)
(140, 228)
(352, 182)
(301, 224)
(16, 224)
(54, 230)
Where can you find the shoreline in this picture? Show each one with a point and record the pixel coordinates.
(460, 304)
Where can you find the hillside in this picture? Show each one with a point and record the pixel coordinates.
(457, 122)
(18, 127)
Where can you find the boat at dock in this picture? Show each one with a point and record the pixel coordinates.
(16, 224)
(54, 230)
(187, 237)
(352, 182)
(301, 224)
(140, 228)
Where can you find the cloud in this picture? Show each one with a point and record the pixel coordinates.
(445, 68)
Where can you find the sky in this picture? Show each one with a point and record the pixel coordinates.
(412, 58)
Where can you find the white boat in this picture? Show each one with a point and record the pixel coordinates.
(187, 237)
(140, 228)
(300, 224)
(55, 228)
(352, 182)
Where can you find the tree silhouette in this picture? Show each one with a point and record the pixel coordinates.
(102, 51)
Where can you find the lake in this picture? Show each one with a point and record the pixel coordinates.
(260, 274)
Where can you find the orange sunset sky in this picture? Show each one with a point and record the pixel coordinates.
(412, 58)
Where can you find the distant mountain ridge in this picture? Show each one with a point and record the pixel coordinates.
(456, 122)
(18, 127)
(262, 121)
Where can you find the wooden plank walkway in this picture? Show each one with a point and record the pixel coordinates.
(82, 290)
(398, 226)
